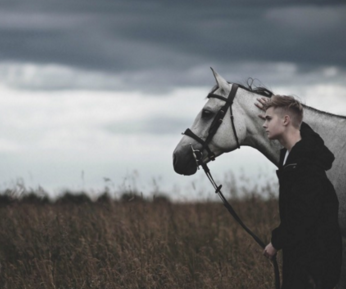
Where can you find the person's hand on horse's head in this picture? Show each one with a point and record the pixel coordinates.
(261, 105)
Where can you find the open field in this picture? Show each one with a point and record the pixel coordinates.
(76, 243)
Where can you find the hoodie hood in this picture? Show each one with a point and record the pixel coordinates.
(312, 148)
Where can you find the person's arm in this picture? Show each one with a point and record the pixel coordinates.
(302, 210)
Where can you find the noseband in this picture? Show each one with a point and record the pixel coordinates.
(198, 154)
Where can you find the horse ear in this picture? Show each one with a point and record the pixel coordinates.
(222, 83)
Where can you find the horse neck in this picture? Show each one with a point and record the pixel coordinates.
(255, 135)
(332, 128)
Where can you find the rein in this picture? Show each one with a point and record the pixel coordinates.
(198, 155)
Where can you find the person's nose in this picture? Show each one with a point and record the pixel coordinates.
(264, 125)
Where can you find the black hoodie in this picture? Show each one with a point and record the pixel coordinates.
(308, 233)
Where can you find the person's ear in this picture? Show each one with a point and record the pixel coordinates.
(286, 120)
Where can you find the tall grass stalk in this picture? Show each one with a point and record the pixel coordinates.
(134, 244)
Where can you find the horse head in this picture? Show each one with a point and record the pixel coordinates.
(226, 137)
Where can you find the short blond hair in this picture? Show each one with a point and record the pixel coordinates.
(287, 104)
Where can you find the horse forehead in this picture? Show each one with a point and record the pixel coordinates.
(223, 91)
(213, 103)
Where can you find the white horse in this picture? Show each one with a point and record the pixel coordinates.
(248, 127)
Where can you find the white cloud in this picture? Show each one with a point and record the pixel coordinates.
(30, 76)
(55, 135)
(9, 146)
(58, 79)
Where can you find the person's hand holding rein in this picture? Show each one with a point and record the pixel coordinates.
(269, 251)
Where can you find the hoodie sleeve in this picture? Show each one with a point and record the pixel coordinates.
(302, 210)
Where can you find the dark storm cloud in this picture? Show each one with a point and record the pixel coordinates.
(153, 43)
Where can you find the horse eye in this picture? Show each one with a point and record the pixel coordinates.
(206, 113)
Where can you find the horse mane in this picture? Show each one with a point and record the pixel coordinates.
(261, 90)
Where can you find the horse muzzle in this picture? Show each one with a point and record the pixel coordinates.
(185, 160)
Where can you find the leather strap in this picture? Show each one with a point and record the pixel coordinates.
(189, 133)
(217, 122)
(240, 222)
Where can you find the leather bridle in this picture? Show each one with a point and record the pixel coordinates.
(198, 155)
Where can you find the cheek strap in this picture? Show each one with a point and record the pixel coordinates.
(215, 125)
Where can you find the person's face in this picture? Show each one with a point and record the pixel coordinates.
(274, 124)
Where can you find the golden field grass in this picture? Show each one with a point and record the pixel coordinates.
(133, 243)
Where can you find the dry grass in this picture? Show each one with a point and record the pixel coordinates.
(134, 244)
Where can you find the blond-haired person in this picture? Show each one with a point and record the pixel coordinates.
(308, 234)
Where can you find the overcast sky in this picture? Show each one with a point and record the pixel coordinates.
(102, 89)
